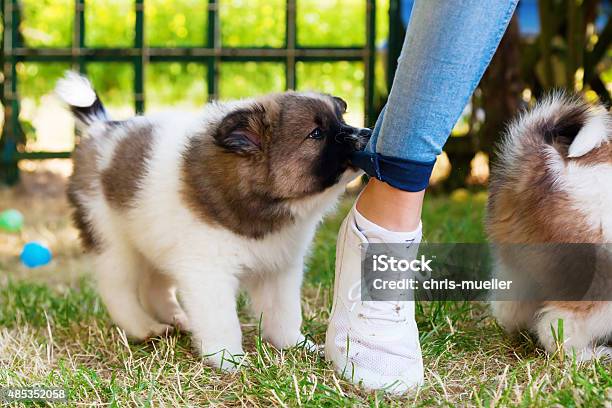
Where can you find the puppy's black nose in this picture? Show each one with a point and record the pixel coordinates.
(354, 138)
(363, 137)
(365, 133)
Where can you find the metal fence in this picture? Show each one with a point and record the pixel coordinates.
(211, 53)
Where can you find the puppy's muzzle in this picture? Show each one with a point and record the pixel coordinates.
(357, 138)
(363, 137)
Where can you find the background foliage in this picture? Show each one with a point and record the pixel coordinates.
(561, 44)
(176, 23)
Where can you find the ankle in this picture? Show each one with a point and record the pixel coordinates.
(390, 208)
(374, 233)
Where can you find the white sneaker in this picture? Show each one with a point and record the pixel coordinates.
(372, 343)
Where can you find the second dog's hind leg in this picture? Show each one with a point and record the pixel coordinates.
(513, 315)
(586, 326)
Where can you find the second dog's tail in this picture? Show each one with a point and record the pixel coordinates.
(76, 91)
(567, 123)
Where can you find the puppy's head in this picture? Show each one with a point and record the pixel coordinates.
(257, 166)
(291, 145)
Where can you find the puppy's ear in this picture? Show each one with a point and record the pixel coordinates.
(341, 104)
(242, 131)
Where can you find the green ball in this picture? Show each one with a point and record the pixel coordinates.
(11, 221)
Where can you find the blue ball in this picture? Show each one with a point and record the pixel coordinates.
(35, 254)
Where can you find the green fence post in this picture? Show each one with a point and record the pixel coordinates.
(139, 60)
(78, 37)
(370, 61)
(396, 39)
(213, 42)
(290, 43)
(12, 135)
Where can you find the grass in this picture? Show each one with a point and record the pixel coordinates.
(54, 331)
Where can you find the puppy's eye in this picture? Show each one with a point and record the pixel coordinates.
(316, 134)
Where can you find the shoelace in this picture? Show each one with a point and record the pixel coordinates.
(390, 311)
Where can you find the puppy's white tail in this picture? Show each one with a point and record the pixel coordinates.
(77, 92)
(567, 123)
(594, 132)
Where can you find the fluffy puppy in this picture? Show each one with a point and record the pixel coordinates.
(205, 203)
(551, 189)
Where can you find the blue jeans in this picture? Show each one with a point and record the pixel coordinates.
(448, 45)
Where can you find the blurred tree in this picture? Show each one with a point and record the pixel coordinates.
(177, 23)
(246, 79)
(331, 22)
(569, 51)
(47, 23)
(501, 90)
(177, 91)
(110, 23)
(261, 23)
(342, 78)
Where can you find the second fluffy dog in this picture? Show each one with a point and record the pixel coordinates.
(550, 216)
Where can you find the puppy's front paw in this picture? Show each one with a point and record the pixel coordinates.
(603, 353)
(225, 360)
(285, 341)
(148, 331)
(311, 346)
(181, 321)
(160, 330)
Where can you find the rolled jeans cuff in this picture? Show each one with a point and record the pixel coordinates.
(403, 174)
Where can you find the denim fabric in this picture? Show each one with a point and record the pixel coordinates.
(448, 45)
